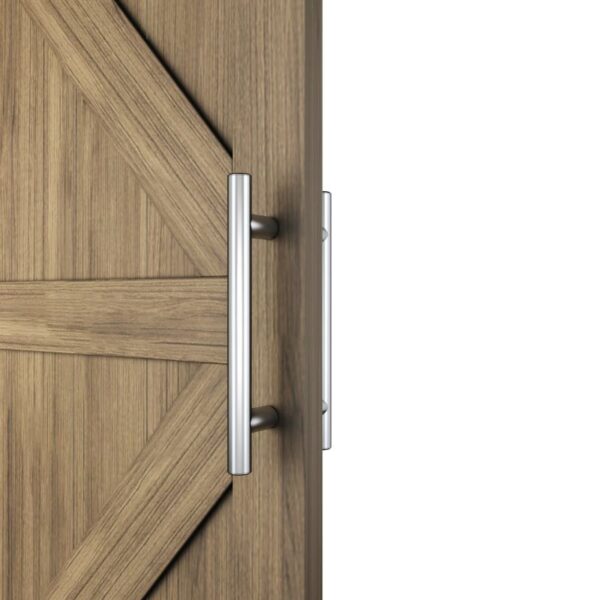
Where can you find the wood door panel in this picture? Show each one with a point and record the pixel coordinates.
(113, 169)
(173, 319)
(203, 569)
(70, 206)
(195, 44)
(280, 144)
(179, 161)
(171, 486)
(72, 427)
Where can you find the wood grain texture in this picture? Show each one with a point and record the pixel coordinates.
(72, 208)
(173, 319)
(263, 97)
(192, 37)
(278, 77)
(193, 40)
(202, 569)
(74, 426)
(172, 485)
(177, 158)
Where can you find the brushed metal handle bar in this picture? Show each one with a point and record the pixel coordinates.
(243, 420)
(326, 320)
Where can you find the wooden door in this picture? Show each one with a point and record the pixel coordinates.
(119, 123)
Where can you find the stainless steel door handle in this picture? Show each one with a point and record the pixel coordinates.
(326, 320)
(243, 420)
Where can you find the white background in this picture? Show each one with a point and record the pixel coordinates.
(462, 145)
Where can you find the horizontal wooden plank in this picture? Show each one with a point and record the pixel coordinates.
(173, 319)
(178, 160)
(172, 485)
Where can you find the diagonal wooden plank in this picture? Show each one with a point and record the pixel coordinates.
(173, 319)
(178, 160)
(177, 478)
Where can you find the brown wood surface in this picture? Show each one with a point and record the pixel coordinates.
(173, 319)
(280, 144)
(75, 426)
(105, 178)
(174, 154)
(70, 208)
(271, 119)
(173, 483)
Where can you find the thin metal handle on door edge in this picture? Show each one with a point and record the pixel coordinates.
(243, 420)
(326, 320)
